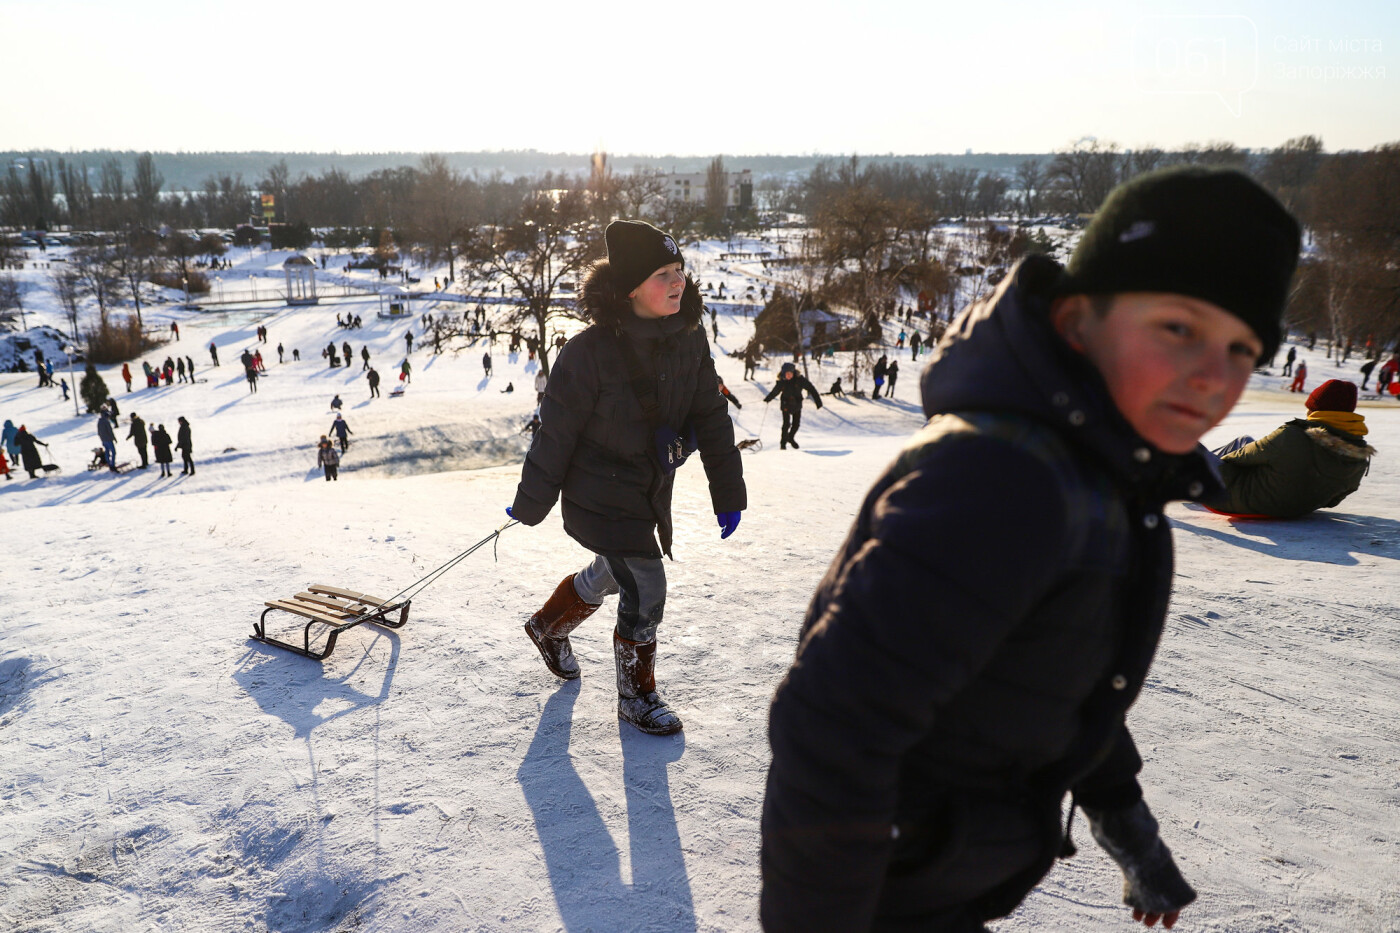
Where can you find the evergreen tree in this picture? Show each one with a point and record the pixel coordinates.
(93, 388)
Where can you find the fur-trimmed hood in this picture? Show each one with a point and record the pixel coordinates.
(607, 304)
(1328, 440)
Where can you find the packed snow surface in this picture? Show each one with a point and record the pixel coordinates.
(164, 771)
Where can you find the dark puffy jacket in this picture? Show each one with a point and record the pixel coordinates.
(791, 391)
(1299, 468)
(973, 649)
(183, 440)
(160, 440)
(594, 445)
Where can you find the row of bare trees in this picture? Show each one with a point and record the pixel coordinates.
(876, 230)
(1348, 289)
(879, 228)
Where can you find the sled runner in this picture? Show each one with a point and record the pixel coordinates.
(341, 609)
(397, 392)
(751, 444)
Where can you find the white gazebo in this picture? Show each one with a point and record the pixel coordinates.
(397, 299)
(301, 280)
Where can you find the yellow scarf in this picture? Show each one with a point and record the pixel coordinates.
(1348, 421)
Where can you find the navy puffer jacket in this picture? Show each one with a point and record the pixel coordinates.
(974, 647)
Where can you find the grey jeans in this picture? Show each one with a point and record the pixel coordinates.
(641, 585)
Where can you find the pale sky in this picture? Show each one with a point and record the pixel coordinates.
(829, 76)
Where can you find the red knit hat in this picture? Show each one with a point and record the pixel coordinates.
(1333, 395)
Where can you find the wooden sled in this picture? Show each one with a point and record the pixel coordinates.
(99, 462)
(341, 609)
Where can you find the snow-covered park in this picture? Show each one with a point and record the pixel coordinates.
(164, 771)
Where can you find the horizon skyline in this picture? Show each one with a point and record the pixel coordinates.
(888, 77)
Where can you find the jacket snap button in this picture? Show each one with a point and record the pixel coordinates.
(1076, 418)
(1060, 398)
(894, 832)
(1119, 682)
(663, 377)
(1195, 489)
(1142, 455)
(1150, 521)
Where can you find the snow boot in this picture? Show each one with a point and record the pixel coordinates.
(550, 627)
(637, 699)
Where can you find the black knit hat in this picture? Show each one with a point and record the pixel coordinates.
(636, 249)
(1212, 234)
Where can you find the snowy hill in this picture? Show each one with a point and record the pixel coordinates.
(165, 772)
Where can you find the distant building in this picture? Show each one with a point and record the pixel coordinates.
(692, 187)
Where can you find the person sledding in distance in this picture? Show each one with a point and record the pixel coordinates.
(624, 400)
(1305, 465)
(791, 385)
(971, 655)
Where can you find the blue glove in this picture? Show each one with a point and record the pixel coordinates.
(509, 512)
(728, 521)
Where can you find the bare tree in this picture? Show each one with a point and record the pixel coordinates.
(602, 188)
(278, 183)
(180, 247)
(960, 190)
(860, 226)
(146, 183)
(210, 246)
(99, 275)
(1139, 161)
(550, 241)
(1289, 171)
(77, 193)
(68, 286)
(1356, 215)
(110, 207)
(771, 193)
(225, 200)
(27, 195)
(991, 194)
(1085, 173)
(440, 215)
(639, 188)
(134, 255)
(1029, 178)
(716, 194)
(12, 292)
(1216, 152)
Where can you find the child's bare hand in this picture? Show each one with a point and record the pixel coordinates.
(1148, 920)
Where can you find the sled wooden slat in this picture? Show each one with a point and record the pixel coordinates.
(307, 610)
(336, 605)
(348, 594)
(338, 608)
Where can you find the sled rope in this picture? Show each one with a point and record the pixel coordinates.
(416, 587)
(344, 609)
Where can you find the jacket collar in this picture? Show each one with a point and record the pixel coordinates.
(603, 301)
(1002, 354)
